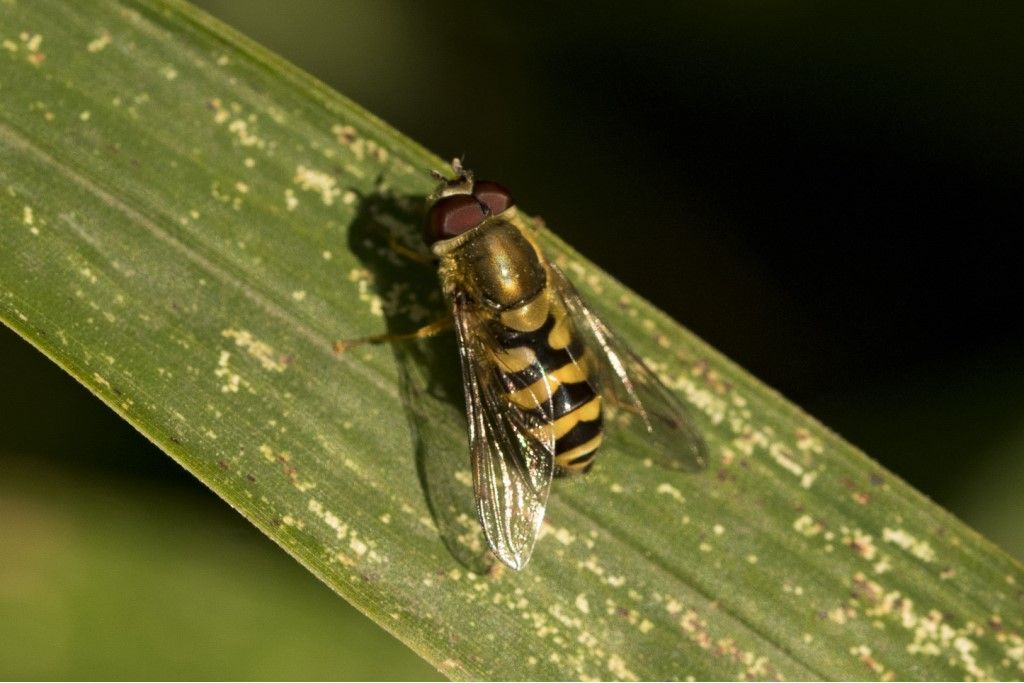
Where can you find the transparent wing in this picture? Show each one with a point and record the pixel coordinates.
(511, 454)
(627, 383)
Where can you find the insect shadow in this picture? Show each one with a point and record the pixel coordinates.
(429, 373)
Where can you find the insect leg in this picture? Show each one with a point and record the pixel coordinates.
(434, 328)
(411, 254)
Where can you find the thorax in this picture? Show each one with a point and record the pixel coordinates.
(496, 264)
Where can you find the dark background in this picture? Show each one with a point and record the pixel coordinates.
(829, 195)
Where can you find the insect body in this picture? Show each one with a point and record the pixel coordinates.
(504, 304)
(544, 369)
(539, 367)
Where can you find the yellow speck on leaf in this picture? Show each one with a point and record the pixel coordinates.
(919, 548)
(670, 490)
(257, 349)
(290, 200)
(322, 183)
(98, 44)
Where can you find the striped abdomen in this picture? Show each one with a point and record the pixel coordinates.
(541, 357)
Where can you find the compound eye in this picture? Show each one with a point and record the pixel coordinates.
(453, 216)
(496, 197)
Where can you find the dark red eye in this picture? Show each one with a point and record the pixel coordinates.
(453, 216)
(493, 195)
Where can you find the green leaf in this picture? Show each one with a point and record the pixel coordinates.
(187, 224)
(97, 574)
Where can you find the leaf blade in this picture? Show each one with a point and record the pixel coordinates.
(216, 221)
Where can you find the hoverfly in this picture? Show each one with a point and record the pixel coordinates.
(538, 365)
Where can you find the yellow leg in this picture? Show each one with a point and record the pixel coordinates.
(411, 254)
(434, 328)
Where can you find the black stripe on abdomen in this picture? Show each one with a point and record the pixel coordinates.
(574, 449)
(580, 434)
(565, 399)
(548, 360)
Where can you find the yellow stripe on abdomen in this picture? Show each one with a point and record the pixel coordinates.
(578, 458)
(589, 411)
(540, 391)
(585, 413)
